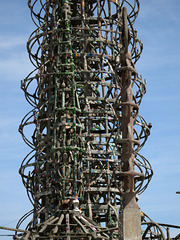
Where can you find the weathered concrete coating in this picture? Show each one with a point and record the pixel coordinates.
(132, 224)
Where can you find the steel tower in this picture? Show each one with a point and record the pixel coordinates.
(84, 173)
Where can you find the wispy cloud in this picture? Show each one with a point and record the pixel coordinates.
(15, 68)
(8, 42)
(14, 62)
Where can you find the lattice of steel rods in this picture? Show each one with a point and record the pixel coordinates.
(76, 174)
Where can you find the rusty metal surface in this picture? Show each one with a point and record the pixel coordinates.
(86, 132)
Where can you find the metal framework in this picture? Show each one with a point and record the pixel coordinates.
(85, 130)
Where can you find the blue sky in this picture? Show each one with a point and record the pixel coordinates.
(158, 28)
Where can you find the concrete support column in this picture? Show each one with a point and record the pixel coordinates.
(130, 217)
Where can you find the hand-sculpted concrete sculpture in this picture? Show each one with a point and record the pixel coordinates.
(84, 171)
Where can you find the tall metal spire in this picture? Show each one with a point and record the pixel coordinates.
(84, 172)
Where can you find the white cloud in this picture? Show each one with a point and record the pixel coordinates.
(15, 68)
(8, 42)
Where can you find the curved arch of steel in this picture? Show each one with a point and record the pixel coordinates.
(151, 229)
